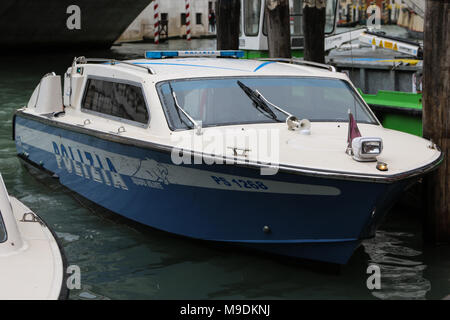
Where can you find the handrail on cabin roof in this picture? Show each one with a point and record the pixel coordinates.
(84, 60)
(301, 62)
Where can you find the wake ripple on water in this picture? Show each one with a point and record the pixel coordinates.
(86, 293)
(401, 266)
(67, 236)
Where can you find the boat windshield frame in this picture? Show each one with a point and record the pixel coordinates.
(351, 88)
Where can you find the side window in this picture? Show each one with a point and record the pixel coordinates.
(183, 19)
(252, 10)
(198, 18)
(2, 230)
(116, 99)
(296, 17)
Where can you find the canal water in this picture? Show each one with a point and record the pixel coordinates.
(123, 261)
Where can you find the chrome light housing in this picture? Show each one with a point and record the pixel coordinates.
(367, 148)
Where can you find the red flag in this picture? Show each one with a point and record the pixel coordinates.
(353, 130)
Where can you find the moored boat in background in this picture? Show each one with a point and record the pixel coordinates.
(31, 261)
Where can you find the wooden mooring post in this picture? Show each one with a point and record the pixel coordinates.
(314, 30)
(278, 28)
(436, 117)
(228, 13)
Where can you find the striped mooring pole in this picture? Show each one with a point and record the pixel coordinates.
(188, 20)
(156, 21)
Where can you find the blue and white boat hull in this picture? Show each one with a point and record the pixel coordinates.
(293, 214)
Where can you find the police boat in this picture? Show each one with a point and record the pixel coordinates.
(281, 155)
(31, 262)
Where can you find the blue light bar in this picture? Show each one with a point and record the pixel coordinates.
(194, 53)
(232, 53)
(160, 54)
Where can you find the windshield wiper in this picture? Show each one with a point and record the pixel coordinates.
(197, 125)
(258, 102)
(261, 102)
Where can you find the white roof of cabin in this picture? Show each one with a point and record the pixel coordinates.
(181, 68)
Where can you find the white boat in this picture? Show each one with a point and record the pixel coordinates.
(31, 263)
(207, 146)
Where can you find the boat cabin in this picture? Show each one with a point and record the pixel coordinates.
(169, 94)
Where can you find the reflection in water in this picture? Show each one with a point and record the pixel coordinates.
(401, 266)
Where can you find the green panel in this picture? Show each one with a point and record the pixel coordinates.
(394, 120)
(297, 53)
(394, 99)
(403, 123)
(255, 54)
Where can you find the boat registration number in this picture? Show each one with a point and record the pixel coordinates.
(245, 184)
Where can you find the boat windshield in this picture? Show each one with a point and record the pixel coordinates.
(217, 102)
(2, 230)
